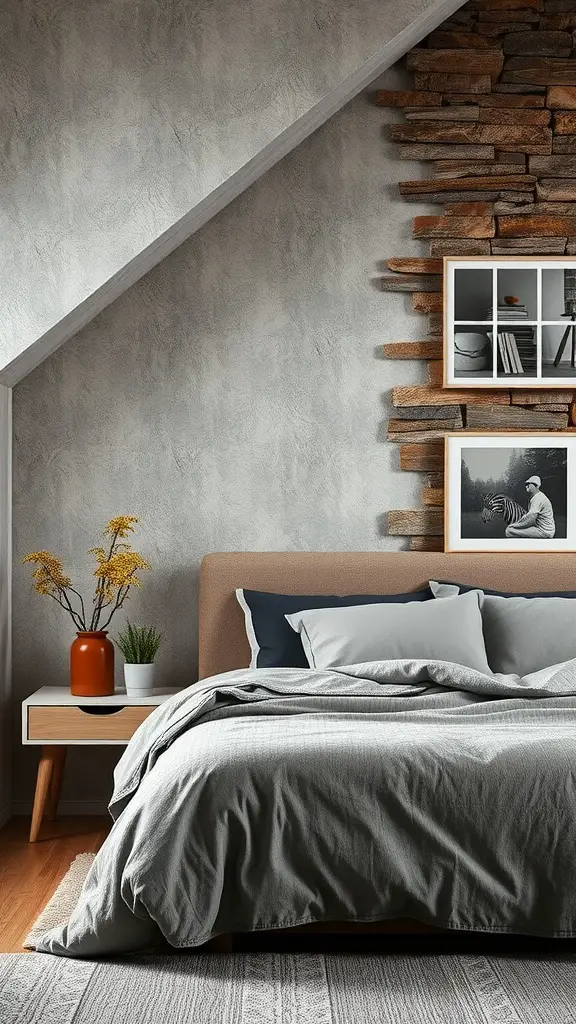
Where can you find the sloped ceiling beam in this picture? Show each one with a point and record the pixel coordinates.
(130, 125)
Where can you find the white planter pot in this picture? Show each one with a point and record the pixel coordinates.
(139, 680)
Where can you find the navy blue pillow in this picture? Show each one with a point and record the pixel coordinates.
(274, 643)
(464, 588)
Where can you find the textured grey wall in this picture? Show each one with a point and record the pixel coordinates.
(5, 599)
(119, 117)
(234, 399)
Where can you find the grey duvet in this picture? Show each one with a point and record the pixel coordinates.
(265, 798)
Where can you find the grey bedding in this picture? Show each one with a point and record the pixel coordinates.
(265, 798)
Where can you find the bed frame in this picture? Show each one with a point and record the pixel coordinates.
(222, 638)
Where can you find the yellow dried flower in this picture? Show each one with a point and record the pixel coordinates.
(105, 591)
(99, 554)
(120, 526)
(43, 557)
(49, 575)
(42, 582)
(120, 569)
(116, 572)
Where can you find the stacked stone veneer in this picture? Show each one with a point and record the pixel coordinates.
(493, 113)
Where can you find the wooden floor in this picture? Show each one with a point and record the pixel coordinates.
(29, 873)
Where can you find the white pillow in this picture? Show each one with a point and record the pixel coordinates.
(447, 630)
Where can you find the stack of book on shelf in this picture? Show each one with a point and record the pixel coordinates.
(516, 342)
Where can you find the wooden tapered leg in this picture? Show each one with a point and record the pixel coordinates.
(48, 758)
(56, 782)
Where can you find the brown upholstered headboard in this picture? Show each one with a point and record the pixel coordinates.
(223, 644)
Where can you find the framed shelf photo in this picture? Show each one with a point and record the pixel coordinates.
(509, 322)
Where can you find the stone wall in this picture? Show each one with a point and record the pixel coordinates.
(493, 114)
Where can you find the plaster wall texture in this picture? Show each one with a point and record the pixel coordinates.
(234, 399)
(120, 119)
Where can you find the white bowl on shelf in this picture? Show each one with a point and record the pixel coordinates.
(470, 352)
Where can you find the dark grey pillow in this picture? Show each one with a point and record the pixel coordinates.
(449, 630)
(273, 643)
(523, 634)
(464, 588)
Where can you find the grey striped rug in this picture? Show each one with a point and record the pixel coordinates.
(288, 989)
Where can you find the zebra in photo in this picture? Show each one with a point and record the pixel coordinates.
(501, 505)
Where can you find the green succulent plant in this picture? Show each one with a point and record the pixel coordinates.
(139, 644)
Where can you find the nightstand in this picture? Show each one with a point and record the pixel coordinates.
(54, 719)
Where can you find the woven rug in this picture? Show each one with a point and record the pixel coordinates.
(273, 988)
(286, 989)
(61, 904)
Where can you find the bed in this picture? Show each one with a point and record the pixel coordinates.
(223, 645)
(238, 807)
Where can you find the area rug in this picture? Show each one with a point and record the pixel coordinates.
(60, 906)
(268, 988)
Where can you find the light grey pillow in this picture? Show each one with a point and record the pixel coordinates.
(448, 630)
(523, 634)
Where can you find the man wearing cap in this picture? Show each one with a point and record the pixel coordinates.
(539, 519)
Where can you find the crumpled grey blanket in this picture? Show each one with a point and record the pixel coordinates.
(265, 798)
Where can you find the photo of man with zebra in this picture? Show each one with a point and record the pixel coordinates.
(514, 493)
(538, 521)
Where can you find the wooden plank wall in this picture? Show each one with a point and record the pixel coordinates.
(493, 114)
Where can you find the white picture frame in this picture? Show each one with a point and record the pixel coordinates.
(493, 342)
(480, 469)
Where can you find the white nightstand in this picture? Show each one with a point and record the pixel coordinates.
(54, 719)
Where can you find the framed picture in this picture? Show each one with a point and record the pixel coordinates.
(510, 492)
(509, 322)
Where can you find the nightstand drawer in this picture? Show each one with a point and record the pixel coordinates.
(72, 723)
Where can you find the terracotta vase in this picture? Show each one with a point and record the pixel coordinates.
(92, 665)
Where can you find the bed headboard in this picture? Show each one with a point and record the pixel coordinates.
(222, 641)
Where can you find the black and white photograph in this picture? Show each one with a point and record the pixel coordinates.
(510, 322)
(516, 493)
(508, 492)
